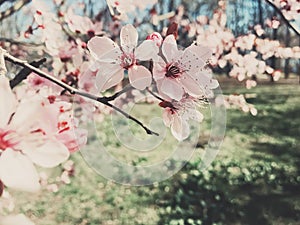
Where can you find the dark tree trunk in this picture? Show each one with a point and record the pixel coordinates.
(287, 61)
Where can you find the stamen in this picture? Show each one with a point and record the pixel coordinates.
(173, 71)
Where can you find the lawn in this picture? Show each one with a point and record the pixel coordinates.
(255, 178)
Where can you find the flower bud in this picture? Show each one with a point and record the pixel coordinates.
(156, 37)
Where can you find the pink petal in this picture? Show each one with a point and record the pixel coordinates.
(190, 86)
(171, 88)
(201, 51)
(147, 50)
(139, 77)
(167, 117)
(28, 116)
(206, 81)
(103, 81)
(48, 155)
(18, 172)
(159, 69)
(169, 48)
(129, 37)
(180, 128)
(99, 46)
(73, 139)
(8, 101)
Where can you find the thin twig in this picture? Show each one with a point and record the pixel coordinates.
(11, 41)
(155, 95)
(74, 91)
(15, 8)
(288, 23)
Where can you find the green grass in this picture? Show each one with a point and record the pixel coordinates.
(270, 138)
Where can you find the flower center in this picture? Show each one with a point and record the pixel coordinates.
(6, 140)
(127, 61)
(173, 72)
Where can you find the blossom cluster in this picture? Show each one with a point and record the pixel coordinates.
(36, 130)
(179, 76)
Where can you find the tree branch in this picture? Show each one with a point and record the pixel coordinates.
(74, 91)
(20, 42)
(23, 74)
(16, 7)
(287, 22)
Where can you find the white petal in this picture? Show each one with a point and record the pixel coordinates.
(8, 101)
(180, 128)
(104, 82)
(147, 50)
(139, 77)
(159, 69)
(27, 116)
(167, 117)
(48, 155)
(112, 56)
(129, 37)
(195, 115)
(18, 172)
(169, 48)
(171, 88)
(190, 86)
(19, 219)
(99, 46)
(190, 62)
(203, 52)
(206, 81)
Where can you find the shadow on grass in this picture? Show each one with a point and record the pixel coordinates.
(263, 208)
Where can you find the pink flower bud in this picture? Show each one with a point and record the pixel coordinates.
(156, 37)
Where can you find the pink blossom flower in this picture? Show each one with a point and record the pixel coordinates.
(112, 60)
(83, 24)
(25, 140)
(128, 6)
(177, 114)
(156, 37)
(179, 72)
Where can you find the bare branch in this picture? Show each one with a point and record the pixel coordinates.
(16, 7)
(23, 74)
(20, 42)
(287, 22)
(74, 91)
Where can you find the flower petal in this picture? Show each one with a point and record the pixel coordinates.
(28, 115)
(147, 50)
(105, 81)
(18, 172)
(201, 51)
(99, 46)
(48, 155)
(167, 117)
(7, 100)
(191, 86)
(139, 77)
(129, 38)
(180, 128)
(171, 88)
(169, 48)
(159, 69)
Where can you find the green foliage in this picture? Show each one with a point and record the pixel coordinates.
(224, 193)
